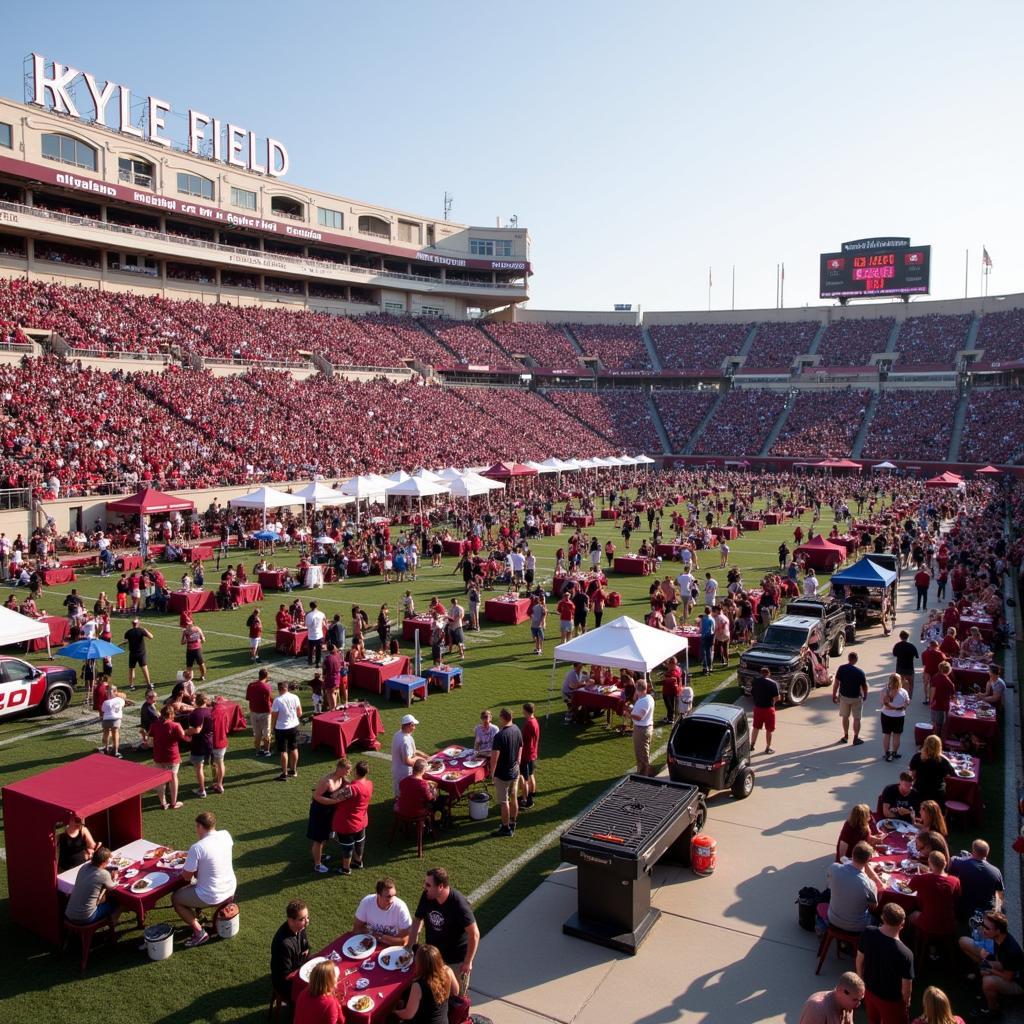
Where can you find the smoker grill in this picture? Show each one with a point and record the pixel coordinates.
(615, 846)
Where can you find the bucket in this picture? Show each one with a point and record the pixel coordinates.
(478, 806)
(159, 941)
(228, 921)
(703, 854)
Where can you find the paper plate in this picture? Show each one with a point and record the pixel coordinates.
(394, 958)
(359, 947)
(306, 969)
(361, 1004)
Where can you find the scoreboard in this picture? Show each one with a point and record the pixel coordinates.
(875, 267)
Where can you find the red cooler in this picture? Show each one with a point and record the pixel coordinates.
(703, 854)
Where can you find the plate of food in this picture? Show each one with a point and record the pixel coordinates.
(119, 863)
(361, 1004)
(362, 983)
(131, 872)
(155, 853)
(435, 767)
(474, 762)
(901, 887)
(306, 969)
(452, 751)
(909, 866)
(395, 958)
(175, 859)
(358, 947)
(141, 885)
(452, 776)
(965, 773)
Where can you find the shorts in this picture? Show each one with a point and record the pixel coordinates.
(112, 723)
(218, 755)
(136, 661)
(435, 651)
(579, 620)
(188, 897)
(287, 739)
(171, 767)
(456, 636)
(892, 725)
(885, 1011)
(850, 705)
(347, 840)
(526, 769)
(537, 633)
(103, 910)
(193, 658)
(260, 724)
(504, 788)
(566, 625)
(764, 718)
(197, 759)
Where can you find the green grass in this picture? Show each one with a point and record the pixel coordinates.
(227, 981)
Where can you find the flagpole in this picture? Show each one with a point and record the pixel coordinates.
(709, 289)
(733, 304)
(776, 286)
(967, 253)
(782, 287)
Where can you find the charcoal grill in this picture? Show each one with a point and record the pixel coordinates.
(615, 846)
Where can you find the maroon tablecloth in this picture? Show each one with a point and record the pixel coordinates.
(60, 629)
(668, 550)
(421, 623)
(774, 518)
(967, 723)
(455, 788)
(895, 851)
(726, 532)
(358, 724)
(551, 529)
(53, 577)
(968, 791)
(140, 904)
(509, 612)
(692, 634)
(370, 675)
(272, 580)
(609, 513)
(246, 593)
(587, 697)
(79, 561)
(968, 673)
(634, 565)
(451, 547)
(983, 622)
(198, 552)
(193, 601)
(752, 524)
(291, 641)
(578, 520)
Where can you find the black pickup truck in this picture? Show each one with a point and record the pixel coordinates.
(837, 621)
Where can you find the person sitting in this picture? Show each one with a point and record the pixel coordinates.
(483, 736)
(854, 887)
(974, 647)
(931, 819)
(937, 894)
(574, 679)
(283, 619)
(900, 800)
(999, 959)
(859, 827)
(995, 688)
(289, 949)
(928, 842)
(936, 1008)
(383, 915)
(89, 900)
(435, 983)
(417, 797)
(75, 845)
(981, 883)
(318, 1003)
(208, 867)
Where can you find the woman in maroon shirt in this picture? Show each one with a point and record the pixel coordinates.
(318, 1003)
(351, 818)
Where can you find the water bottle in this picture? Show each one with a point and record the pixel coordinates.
(976, 918)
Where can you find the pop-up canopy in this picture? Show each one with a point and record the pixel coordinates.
(821, 553)
(989, 470)
(266, 497)
(946, 479)
(507, 470)
(864, 573)
(150, 502)
(622, 643)
(16, 628)
(318, 493)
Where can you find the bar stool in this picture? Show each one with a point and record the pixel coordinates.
(403, 821)
(958, 811)
(85, 933)
(839, 936)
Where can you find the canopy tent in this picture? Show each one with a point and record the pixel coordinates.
(418, 487)
(451, 473)
(542, 468)
(473, 484)
(839, 464)
(104, 791)
(16, 628)
(425, 474)
(508, 470)
(266, 497)
(369, 486)
(946, 479)
(989, 470)
(864, 573)
(821, 553)
(317, 493)
(622, 643)
(646, 460)
(398, 476)
(883, 465)
(149, 502)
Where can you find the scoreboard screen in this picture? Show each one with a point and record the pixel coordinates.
(871, 268)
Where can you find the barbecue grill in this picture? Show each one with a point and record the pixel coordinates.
(615, 846)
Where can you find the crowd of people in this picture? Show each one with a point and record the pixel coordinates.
(682, 412)
(617, 346)
(851, 342)
(697, 346)
(778, 343)
(741, 423)
(919, 423)
(621, 417)
(822, 425)
(932, 340)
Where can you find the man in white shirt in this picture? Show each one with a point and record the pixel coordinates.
(517, 563)
(285, 714)
(685, 583)
(403, 752)
(208, 866)
(456, 621)
(383, 915)
(810, 584)
(316, 623)
(710, 589)
(642, 714)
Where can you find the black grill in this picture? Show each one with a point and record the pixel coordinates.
(615, 846)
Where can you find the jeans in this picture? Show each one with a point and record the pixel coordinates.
(707, 647)
(922, 598)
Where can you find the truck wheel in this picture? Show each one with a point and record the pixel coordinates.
(839, 644)
(799, 689)
(56, 701)
(699, 819)
(743, 784)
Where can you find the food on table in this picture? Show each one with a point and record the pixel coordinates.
(157, 851)
(361, 1004)
(141, 885)
(451, 776)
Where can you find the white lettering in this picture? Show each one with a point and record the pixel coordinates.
(99, 99)
(197, 125)
(236, 140)
(254, 164)
(156, 122)
(57, 86)
(218, 145)
(126, 113)
(277, 159)
(303, 233)
(86, 185)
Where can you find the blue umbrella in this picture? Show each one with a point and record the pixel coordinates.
(90, 650)
(266, 535)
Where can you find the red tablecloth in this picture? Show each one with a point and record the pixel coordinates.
(386, 987)
(370, 675)
(126, 563)
(510, 612)
(634, 565)
(236, 719)
(246, 593)
(587, 697)
(60, 629)
(339, 730)
(193, 601)
(895, 851)
(847, 540)
(78, 561)
(967, 722)
(421, 623)
(291, 641)
(580, 579)
(968, 791)
(983, 622)
(752, 524)
(968, 673)
(272, 580)
(668, 550)
(466, 776)
(726, 532)
(551, 529)
(198, 552)
(609, 513)
(774, 518)
(451, 547)
(140, 904)
(577, 520)
(52, 577)
(692, 634)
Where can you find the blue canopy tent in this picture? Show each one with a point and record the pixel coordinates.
(858, 582)
(864, 573)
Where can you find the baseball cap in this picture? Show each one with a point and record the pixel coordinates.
(409, 720)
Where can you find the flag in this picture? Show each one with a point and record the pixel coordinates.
(986, 260)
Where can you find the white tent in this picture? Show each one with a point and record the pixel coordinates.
(16, 628)
(317, 493)
(606, 462)
(425, 474)
(399, 476)
(451, 473)
(472, 484)
(369, 486)
(883, 465)
(541, 467)
(643, 460)
(625, 460)
(418, 487)
(622, 643)
(266, 497)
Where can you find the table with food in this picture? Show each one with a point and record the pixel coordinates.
(774, 518)
(635, 565)
(979, 618)
(414, 624)
(578, 579)
(127, 563)
(246, 593)
(551, 529)
(578, 519)
(272, 579)
(454, 769)
(599, 697)
(965, 784)
(508, 609)
(895, 863)
(292, 640)
(610, 513)
(197, 553)
(350, 725)
(236, 717)
(192, 601)
(371, 673)
(725, 532)
(969, 716)
(752, 524)
(692, 634)
(968, 674)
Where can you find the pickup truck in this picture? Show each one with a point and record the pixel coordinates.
(785, 650)
(836, 617)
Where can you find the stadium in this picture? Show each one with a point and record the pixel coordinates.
(177, 315)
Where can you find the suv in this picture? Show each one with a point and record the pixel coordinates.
(25, 687)
(784, 649)
(837, 620)
(710, 749)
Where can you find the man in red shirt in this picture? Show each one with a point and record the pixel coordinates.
(937, 893)
(528, 757)
(166, 735)
(951, 616)
(922, 580)
(931, 658)
(417, 796)
(943, 691)
(351, 818)
(260, 697)
(566, 611)
(221, 725)
(950, 646)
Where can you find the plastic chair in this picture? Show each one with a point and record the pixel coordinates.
(958, 811)
(837, 934)
(85, 933)
(404, 821)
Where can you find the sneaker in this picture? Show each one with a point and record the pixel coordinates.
(769, 750)
(857, 741)
(281, 778)
(117, 753)
(321, 869)
(887, 756)
(843, 739)
(200, 793)
(896, 755)
(197, 939)
(292, 774)
(177, 806)
(217, 789)
(344, 871)
(503, 832)
(357, 867)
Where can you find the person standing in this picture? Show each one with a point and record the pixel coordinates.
(289, 949)
(849, 691)
(321, 812)
(506, 751)
(764, 691)
(332, 668)
(835, 1006)
(922, 581)
(193, 638)
(111, 714)
(255, 624)
(456, 624)
(200, 733)
(538, 620)
(315, 627)
(943, 691)
(566, 610)
(167, 734)
(135, 637)
(895, 701)
(707, 640)
(642, 714)
(260, 697)
(449, 922)
(581, 606)
(404, 752)
(906, 654)
(528, 761)
(351, 816)
(219, 741)
(285, 714)
(887, 967)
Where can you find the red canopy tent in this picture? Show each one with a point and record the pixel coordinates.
(840, 464)
(946, 479)
(104, 791)
(149, 502)
(820, 553)
(989, 470)
(508, 470)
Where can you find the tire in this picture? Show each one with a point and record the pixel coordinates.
(56, 700)
(697, 825)
(839, 644)
(743, 784)
(799, 689)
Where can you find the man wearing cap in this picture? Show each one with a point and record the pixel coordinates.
(136, 638)
(404, 752)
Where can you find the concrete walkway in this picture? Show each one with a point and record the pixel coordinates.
(727, 948)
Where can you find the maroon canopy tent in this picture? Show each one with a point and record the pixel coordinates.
(989, 470)
(104, 791)
(507, 470)
(149, 502)
(821, 553)
(946, 479)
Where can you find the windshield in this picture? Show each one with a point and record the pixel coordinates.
(784, 636)
(699, 739)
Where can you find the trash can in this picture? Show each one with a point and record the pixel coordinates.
(807, 901)
(159, 941)
(478, 806)
(703, 854)
(228, 921)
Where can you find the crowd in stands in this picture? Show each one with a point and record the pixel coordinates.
(681, 413)
(822, 423)
(741, 423)
(932, 340)
(697, 346)
(776, 344)
(470, 344)
(1001, 335)
(911, 425)
(618, 346)
(850, 342)
(546, 343)
(621, 418)
(994, 426)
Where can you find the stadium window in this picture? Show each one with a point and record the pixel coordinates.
(285, 206)
(369, 225)
(503, 248)
(66, 150)
(481, 247)
(6, 135)
(243, 198)
(135, 172)
(194, 185)
(409, 232)
(329, 218)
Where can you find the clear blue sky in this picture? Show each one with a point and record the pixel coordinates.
(638, 143)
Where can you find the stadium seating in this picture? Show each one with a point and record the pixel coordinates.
(822, 423)
(1001, 335)
(850, 342)
(546, 343)
(911, 425)
(621, 418)
(470, 344)
(994, 427)
(741, 423)
(619, 347)
(932, 340)
(681, 413)
(697, 346)
(777, 344)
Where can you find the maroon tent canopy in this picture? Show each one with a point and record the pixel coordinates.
(989, 470)
(946, 479)
(150, 501)
(105, 792)
(508, 470)
(821, 553)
